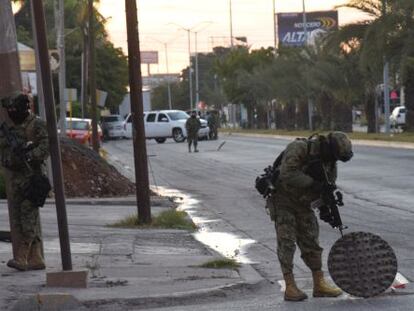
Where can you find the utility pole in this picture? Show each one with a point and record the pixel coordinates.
(60, 44)
(197, 99)
(85, 63)
(40, 29)
(10, 82)
(305, 33)
(231, 25)
(190, 76)
(196, 65)
(274, 24)
(92, 77)
(10, 79)
(386, 75)
(137, 110)
(190, 79)
(168, 78)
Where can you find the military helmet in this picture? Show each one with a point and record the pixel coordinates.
(19, 102)
(341, 146)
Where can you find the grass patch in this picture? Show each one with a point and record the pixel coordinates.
(224, 263)
(169, 219)
(396, 137)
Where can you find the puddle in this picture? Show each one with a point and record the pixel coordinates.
(227, 244)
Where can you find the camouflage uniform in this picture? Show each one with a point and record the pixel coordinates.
(213, 125)
(289, 206)
(192, 126)
(295, 221)
(25, 215)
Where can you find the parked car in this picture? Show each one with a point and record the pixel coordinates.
(112, 126)
(81, 130)
(397, 117)
(163, 124)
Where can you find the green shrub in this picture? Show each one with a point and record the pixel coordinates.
(169, 219)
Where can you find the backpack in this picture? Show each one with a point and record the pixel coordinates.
(265, 183)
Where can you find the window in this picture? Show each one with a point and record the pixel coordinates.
(162, 118)
(78, 125)
(151, 117)
(178, 115)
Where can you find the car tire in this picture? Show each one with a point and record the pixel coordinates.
(178, 135)
(160, 140)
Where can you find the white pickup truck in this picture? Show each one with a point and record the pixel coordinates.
(163, 124)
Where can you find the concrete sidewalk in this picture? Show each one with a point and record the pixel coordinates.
(126, 266)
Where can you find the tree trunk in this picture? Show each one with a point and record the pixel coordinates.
(370, 111)
(324, 115)
(280, 118)
(343, 117)
(290, 116)
(302, 120)
(409, 99)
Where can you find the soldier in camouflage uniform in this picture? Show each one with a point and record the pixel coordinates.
(295, 221)
(32, 134)
(213, 124)
(192, 126)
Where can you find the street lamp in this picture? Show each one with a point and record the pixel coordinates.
(231, 24)
(196, 64)
(305, 32)
(165, 44)
(190, 79)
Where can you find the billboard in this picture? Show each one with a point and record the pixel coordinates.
(291, 31)
(149, 57)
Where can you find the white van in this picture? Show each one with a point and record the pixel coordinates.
(163, 124)
(397, 117)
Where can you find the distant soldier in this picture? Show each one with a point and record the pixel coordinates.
(192, 126)
(24, 148)
(290, 206)
(213, 123)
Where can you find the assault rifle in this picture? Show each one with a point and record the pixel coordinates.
(18, 147)
(331, 198)
(265, 182)
(38, 187)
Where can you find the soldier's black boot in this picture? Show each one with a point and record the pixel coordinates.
(189, 148)
(292, 292)
(195, 148)
(20, 260)
(321, 288)
(35, 259)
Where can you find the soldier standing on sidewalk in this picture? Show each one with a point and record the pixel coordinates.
(24, 148)
(192, 126)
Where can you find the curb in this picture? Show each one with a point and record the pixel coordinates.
(251, 280)
(359, 142)
(127, 201)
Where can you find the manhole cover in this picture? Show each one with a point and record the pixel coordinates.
(362, 264)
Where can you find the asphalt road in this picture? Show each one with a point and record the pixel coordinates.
(378, 194)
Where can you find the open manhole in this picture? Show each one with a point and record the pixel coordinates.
(362, 264)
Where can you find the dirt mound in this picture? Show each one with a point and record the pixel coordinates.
(88, 175)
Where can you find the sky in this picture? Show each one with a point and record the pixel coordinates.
(161, 21)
